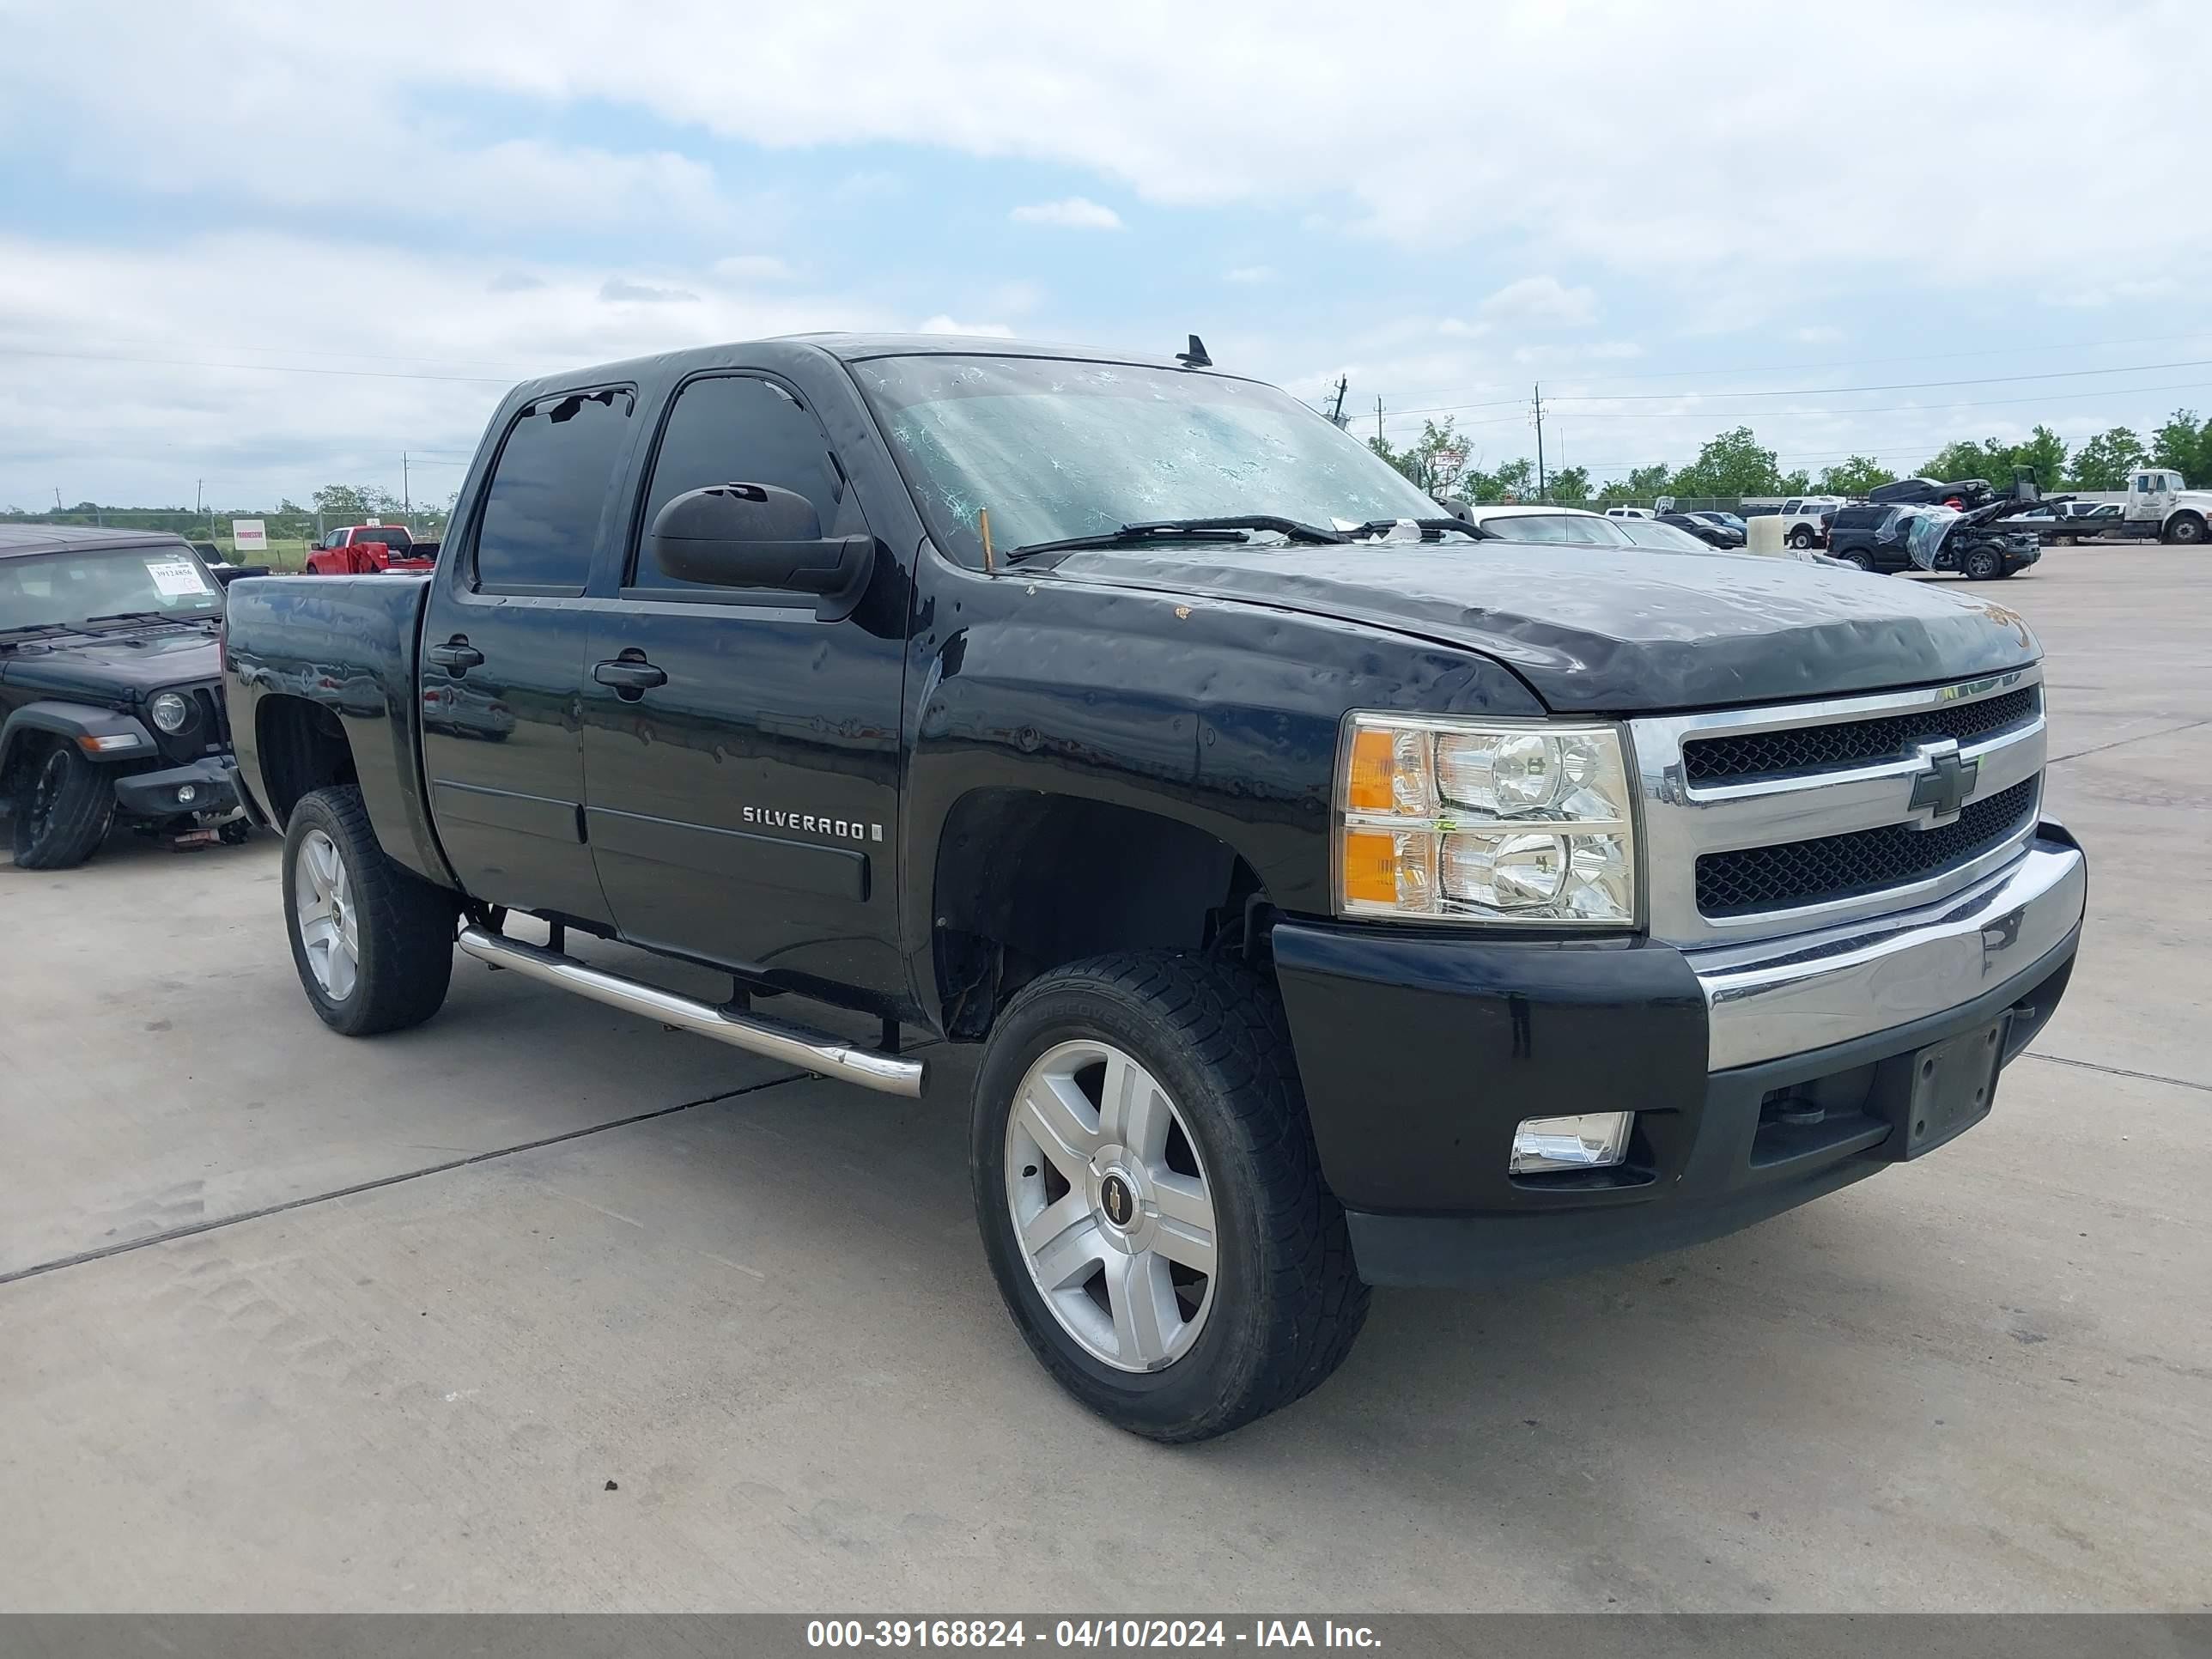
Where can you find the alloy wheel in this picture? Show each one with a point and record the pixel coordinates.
(1112, 1211)
(330, 931)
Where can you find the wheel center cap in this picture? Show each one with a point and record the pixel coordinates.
(1118, 1200)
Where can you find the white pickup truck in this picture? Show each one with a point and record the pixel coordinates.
(2160, 503)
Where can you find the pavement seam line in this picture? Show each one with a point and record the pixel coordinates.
(267, 1209)
(2122, 743)
(2122, 1071)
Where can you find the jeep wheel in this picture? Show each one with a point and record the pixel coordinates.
(374, 943)
(63, 811)
(1983, 565)
(1150, 1197)
(2187, 531)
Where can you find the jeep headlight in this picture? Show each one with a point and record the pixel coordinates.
(170, 712)
(1452, 820)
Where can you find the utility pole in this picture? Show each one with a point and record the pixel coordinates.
(1336, 411)
(1378, 420)
(1540, 441)
(406, 496)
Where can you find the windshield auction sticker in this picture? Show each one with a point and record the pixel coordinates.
(178, 579)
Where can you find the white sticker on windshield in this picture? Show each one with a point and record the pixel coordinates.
(178, 579)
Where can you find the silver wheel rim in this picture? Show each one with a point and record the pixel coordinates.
(1112, 1211)
(330, 930)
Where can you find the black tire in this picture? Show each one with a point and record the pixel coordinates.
(1860, 560)
(2187, 531)
(63, 810)
(1287, 1301)
(1800, 538)
(404, 925)
(1982, 565)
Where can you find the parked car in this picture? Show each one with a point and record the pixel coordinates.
(1805, 519)
(1338, 893)
(366, 550)
(1575, 524)
(1726, 520)
(109, 704)
(2068, 522)
(1708, 531)
(1628, 513)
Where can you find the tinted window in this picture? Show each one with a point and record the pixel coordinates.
(1555, 527)
(735, 429)
(541, 514)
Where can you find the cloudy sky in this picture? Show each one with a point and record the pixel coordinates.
(273, 247)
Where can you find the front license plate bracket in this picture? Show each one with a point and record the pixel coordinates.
(1954, 1084)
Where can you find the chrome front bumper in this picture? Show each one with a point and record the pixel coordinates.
(1778, 997)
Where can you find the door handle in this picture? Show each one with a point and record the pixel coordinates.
(457, 655)
(631, 676)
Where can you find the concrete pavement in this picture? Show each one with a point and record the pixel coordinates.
(1978, 1381)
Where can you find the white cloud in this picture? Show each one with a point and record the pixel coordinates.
(1596, 351)
(754, 268)
(1819, 334)
(941, 323)
(616, 290)
(2098, 296)
(1461, 329)
(162, 364)
(1541, 300)
(1249, 274)
(1075, 213)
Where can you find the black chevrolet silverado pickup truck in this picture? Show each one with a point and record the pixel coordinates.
(1341, 896)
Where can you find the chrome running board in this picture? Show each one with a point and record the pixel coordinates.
(772, 1039)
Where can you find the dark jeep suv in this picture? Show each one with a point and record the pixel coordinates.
(108, 691)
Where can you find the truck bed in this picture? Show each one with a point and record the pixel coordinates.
(350, 645)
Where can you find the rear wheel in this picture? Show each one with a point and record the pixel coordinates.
(1800, 538)
(63, 809)
(1860, 561)
(372, 942)
(1150, 1197)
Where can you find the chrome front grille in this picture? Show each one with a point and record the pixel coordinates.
(1761, 822)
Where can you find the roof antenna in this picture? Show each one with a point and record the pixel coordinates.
(1195, 357)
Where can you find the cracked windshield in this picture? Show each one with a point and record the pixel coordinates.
(1079, 449)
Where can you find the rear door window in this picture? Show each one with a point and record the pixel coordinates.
(541, 513)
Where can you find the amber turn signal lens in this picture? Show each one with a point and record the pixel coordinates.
(1367, 789)
(1371, 866)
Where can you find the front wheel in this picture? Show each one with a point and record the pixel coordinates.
(1982, 565)
(372, 942)
(63, 811)
(2187, 531)
(1150, 1197)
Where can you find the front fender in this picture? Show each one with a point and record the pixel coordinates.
(100, 734)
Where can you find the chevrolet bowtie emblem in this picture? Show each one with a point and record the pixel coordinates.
(1945, 782)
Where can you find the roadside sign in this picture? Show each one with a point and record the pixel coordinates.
(249, 535)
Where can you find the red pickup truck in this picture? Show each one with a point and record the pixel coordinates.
(364, 550)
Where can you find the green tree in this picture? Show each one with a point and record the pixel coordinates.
(2045, 451)
(2105, 461)
(1570, 486)
(1855, 477)
(1964, 459)
(1734, 464)
(1435, 461)
(2185, 447)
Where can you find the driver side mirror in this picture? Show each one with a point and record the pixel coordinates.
(759, 536)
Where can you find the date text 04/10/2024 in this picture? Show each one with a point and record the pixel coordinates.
(1086, 1633)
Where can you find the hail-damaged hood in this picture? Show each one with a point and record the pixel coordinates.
(1597, 630)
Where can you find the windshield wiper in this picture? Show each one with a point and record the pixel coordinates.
(35, 630)
(1224, 529)
(1430, 529)
(149, 616)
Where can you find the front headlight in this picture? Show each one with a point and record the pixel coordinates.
(1452, 820)
(170, 712)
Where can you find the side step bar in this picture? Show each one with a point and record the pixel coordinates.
(774, 1039)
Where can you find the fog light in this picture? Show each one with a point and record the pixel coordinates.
(1595, 1140)
(187, 793)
